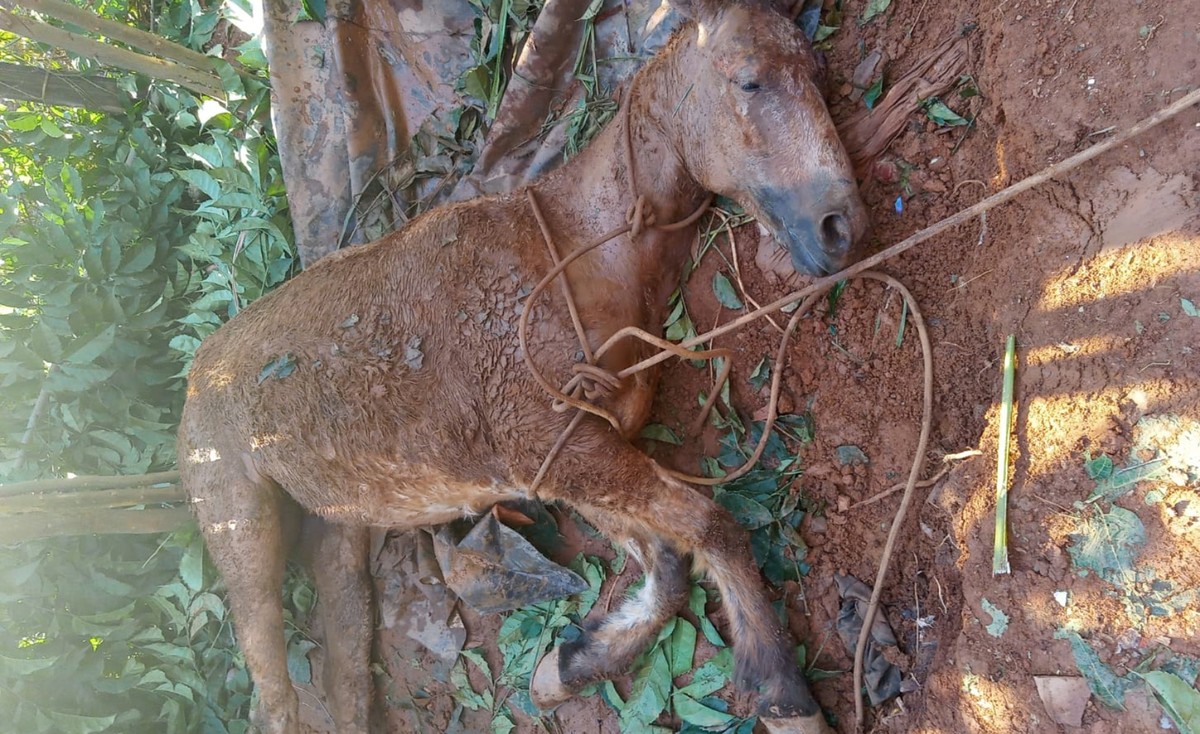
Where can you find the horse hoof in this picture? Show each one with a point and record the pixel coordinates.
(546, 688)
(814, 724)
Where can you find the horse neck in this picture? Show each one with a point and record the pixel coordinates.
(592, 194)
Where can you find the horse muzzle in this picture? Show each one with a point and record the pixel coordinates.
(821, 228)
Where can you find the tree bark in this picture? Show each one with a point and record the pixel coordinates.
(201, 81)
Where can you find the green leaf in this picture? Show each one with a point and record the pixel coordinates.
(749, 513)
(874, 8)
(708, 678)
(761, 376)
(24, 123)
(45, 342)
(659, 432)
(999, 621)
(1107, 543)
(50, 128)
(95, 346)
(279, 368)
(937, 111)
(697, 599)
(1109, 688)
(298, 664)
(191, 566)
(1100, 467)
(1180, 700)
(1189, 308)
(1122, 480)
(20, 667)
(725, 292)
(697, 714)
(502, 723)
(648, 695)
(202, 180)
(682, 647)
(824, 32)
(75, 724)
(871, 96)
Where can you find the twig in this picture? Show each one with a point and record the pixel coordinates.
(39, 408)
(737, 274)
(966, 283)
(946, 467)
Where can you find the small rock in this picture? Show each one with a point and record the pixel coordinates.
(886, 172)
(868, 70)
(843, 503)
(1061, 598)
(935, 186)
(1064, 697)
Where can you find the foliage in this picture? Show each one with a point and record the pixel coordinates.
(524, 636)
(500, 28)
(124, 239)
(763, 499)
(1178, 698)
(1107, 686)
(937, 111)
(1107, 542)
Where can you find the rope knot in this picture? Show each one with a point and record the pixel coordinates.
(591, 381)
(637, 218)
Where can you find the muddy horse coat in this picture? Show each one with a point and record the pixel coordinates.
(385, 386)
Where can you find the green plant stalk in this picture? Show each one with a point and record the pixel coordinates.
(502, 33)
(1000, 546)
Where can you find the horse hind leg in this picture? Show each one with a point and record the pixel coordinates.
(242, 521)
(608, 645)
(598, 473)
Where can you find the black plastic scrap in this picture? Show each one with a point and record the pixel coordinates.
(881, 678)
(494, 569)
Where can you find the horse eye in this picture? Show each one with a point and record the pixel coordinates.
(751, 86)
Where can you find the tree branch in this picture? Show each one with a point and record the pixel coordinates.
(88, 483)
(32, 525)
(197, 80)
(61, 89)
(103, 499)
(127, 34)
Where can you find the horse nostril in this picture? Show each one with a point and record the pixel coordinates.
(835, 234)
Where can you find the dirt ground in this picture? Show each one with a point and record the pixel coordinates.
(1087, 272)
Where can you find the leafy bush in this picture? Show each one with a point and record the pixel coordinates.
(124, 240)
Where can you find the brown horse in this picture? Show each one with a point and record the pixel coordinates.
(385, 386)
